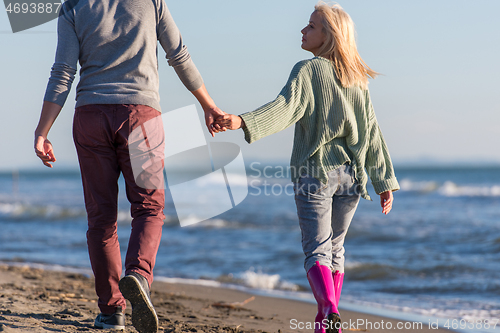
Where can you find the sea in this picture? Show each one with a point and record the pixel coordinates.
(436, 255)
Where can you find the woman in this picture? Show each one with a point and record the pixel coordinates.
(115, 42)
(337, 137)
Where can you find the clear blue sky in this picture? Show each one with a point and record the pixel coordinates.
(437, 100)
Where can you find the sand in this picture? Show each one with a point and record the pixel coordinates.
(35, 300)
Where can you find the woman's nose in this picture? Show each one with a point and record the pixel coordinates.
(303, 31)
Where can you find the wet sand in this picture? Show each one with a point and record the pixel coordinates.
(35, 300)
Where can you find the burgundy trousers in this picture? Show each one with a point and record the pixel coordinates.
(101, 133)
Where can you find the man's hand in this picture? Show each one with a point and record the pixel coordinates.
(211, 115)
(230, 121)
(43, 147)
(44, 150)
(386, 200)
(212, 112)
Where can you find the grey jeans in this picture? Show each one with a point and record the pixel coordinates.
(325, 213)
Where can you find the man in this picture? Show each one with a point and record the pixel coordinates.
(115, 42)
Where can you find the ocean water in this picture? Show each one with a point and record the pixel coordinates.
(436, 254)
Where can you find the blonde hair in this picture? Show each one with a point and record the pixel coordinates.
(340, 46)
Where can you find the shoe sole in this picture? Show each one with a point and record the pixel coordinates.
(98, 324)
(144, 317)
(109, 327)
(334, 323)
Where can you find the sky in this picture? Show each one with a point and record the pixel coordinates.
(436, 102)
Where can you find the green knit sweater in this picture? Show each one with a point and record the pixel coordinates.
(333, 126)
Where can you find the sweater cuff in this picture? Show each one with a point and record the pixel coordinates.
(55, 98)
(250, 129)
(189, 75)
(59, 85)
(385, 185)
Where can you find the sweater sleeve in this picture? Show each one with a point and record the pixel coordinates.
(288, 108)
(177, 53)
(67, 54)
(378, 161)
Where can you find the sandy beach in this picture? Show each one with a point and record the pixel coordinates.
(36, 300)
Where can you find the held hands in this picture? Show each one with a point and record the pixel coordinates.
(229, 121)
(44, 150)
(211, 114)
(386, 200)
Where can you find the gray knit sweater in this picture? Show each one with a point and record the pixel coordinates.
(333, 125)
(116, 42)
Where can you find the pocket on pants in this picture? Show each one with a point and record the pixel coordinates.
(308, 185)
(88, 127)
(350, 185)
(351, 172)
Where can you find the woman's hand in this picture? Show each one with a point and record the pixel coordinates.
(230, 121)
(386, 200)
(44, 150)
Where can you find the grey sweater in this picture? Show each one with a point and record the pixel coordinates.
(116, 42)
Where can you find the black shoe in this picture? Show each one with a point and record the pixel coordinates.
(135, 288)
(334, 323)
(114, 321)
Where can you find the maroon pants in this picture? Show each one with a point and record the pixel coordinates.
(101, 133)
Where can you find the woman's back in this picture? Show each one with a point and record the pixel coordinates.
(335, 112)
(334, 125)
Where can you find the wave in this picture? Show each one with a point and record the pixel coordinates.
(49, 267)
(214, 223)
(214, 179)
(218, 224)
(421, 186)
(369, 271)
(23, 211)
(26, 212)
(259, 280)
(450, 189)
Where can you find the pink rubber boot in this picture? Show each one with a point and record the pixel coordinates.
(321, 280)
(318, 326)
(338, 280)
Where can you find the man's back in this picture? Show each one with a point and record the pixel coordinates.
(115, 42)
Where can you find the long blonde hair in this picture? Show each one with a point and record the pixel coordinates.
(340, 46)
